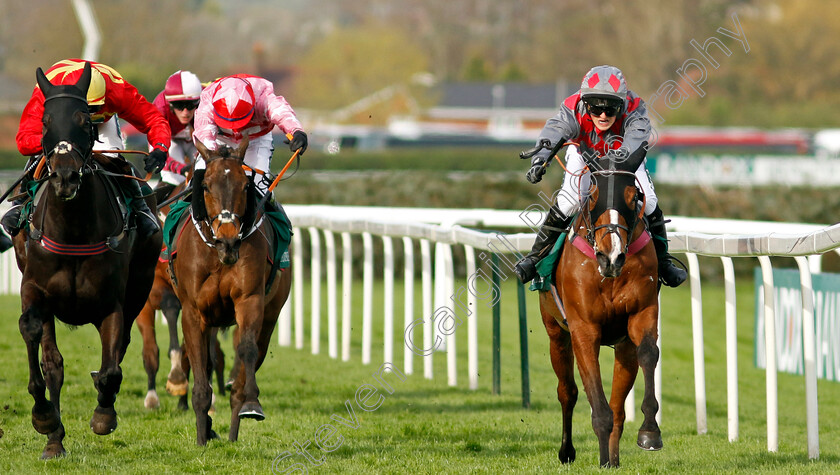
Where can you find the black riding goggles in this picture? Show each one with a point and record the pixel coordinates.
(609, 108)
(181, 105)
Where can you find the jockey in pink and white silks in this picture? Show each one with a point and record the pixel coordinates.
(612, 121)
(242, 104)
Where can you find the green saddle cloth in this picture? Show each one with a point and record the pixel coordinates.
(546, 265)
(279, 224)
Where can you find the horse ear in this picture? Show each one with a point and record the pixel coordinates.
(243, 146)
(84, 80)
(43, 82)
(202, 150)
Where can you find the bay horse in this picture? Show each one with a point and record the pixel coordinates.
(606, 295)
(162, 297)
(81, 262)
(221, 271)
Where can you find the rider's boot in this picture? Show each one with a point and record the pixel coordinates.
(669, 274)
(11, 220)
(146, 220)
(555, 224)
(5, 242)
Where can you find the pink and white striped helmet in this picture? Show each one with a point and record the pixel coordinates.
(182, 86)
(233, 103)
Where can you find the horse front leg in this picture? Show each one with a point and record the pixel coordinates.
(196, 342)
(176, 381)
(46, 417)
(151, 353)
(624, 375)
(52, 365)
(650, 436)
(109, 377)
(249, 314)
(562, 361)
(586, 341)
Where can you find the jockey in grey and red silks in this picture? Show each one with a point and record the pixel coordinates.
(573, 123)
(612, 121)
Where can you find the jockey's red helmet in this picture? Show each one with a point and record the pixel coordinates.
(604, 81)
(182, 86)
(233, 103)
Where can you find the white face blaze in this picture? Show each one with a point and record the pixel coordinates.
(616, 240)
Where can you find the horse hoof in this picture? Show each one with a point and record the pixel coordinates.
(53, 450)
(649, 440)
(45, 418)
(567, 455)
(104, 420)
(252, 410)
(176, 389)
(152, 401)
(212, 435)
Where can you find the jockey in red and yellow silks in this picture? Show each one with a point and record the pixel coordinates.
(108, 95)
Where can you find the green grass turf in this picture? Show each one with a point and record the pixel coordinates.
(424, 426)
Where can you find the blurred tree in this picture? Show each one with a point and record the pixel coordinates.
(351, 63)
(476, 69)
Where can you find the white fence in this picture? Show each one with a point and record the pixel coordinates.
(444, 229)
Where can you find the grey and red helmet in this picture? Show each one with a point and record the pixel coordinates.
(605, 82)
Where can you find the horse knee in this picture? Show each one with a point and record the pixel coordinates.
(247, 350)
(648, 353)
(30, 327)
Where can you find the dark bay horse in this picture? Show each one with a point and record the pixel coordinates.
(162, 297)
(221, 271)
(607, 284)
(81, 263)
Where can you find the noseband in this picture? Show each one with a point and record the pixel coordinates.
(225, 217)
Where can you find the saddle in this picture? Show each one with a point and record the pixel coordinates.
(105, 168)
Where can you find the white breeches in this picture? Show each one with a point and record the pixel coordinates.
(183, 151)
(258, 156)
(575, 187)
(110, 136)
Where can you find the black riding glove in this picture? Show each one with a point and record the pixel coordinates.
(537, 171)
(299, 142)
(155, 160)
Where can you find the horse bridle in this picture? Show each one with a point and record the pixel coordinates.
(225, 217)
(67, 147)
(612, 228)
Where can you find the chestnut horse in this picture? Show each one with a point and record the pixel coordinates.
(81, 262)
(221, 272)
(162, 297)
(606, 281)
